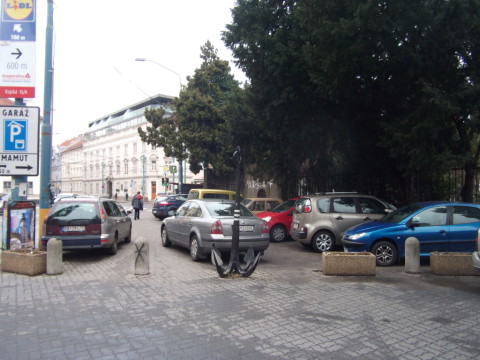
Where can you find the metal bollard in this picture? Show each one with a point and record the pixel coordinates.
(54, 257)
(142, 263)
(412, 256)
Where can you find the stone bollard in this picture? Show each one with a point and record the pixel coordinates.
(412, 256)
(54, 257)
(142, 263)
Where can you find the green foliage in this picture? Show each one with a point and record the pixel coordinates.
(206, 113)
(163, 132)
(360, 84)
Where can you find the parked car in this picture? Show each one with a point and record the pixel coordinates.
(257, 205)
(87, 222)
(166, 205)
(438, 226)
(319, 221)
(64, 195)
(211, 194)
(279, 220)
(197, 224)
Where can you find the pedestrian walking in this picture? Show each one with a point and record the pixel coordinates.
(137, 203)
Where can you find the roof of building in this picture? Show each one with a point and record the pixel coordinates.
(129, 112)
(71, 144)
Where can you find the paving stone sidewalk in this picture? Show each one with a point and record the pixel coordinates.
(98, 309)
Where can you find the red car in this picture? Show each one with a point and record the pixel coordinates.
(279, 220)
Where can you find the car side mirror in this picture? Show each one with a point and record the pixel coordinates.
(413, 222)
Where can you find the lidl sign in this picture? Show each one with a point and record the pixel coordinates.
(17, 49)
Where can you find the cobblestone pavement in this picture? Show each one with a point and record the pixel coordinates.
(98, 309)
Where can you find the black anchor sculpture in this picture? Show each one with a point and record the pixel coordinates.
(250, 259)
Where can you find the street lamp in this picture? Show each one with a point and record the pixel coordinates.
(166, 68)
(143, 158)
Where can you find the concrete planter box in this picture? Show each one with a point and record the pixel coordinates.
(341, 263)
(450, 263)
(24, 262)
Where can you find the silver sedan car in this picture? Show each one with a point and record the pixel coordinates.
(197, 224)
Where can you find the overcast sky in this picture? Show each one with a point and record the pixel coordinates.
(96, 43)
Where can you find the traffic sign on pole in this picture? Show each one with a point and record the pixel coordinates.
(17, 49)
(19, 134)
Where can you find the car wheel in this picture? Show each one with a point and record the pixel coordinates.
(323, 241)
(385, 252)
(165, 240)
(114, 248)
(195, 249)
(278, 233)
(128, 239)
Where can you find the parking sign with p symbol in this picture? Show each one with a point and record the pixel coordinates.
(15, 135)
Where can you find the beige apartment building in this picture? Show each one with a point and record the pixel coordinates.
(111, 160)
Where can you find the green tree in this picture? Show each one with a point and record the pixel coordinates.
(163, 132)
(362, 84)
(201, 128)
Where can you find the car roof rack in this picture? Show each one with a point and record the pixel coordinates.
(335, 192)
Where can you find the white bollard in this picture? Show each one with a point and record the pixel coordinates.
(412, 256)
(54, 257)
(142, 263)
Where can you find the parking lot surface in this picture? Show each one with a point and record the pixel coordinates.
(98, 309)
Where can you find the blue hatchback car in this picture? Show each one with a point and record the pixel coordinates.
(439, 226)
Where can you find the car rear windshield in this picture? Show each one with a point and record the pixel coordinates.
(226, 209)
(74, 213)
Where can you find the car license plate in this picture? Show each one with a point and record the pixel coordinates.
(73, 228)
(295, 225)
(245, 228)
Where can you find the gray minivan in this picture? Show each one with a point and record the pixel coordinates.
(320, 220)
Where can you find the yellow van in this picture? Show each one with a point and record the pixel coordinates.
(211, 194)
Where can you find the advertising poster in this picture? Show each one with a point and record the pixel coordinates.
(20, 220)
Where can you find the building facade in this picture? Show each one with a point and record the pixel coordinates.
(111, 160)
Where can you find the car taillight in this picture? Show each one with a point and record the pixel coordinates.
(266, 228)
(102, 214)
(307, 209)
(216, 228)
(164, 203)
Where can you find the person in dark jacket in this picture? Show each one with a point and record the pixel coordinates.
(137, 203)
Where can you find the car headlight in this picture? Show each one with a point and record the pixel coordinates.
(356, 236)
(267, 218)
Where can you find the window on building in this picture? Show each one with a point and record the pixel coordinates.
(126, 149)
(134, 148)
(126, 168)
(154, 165)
